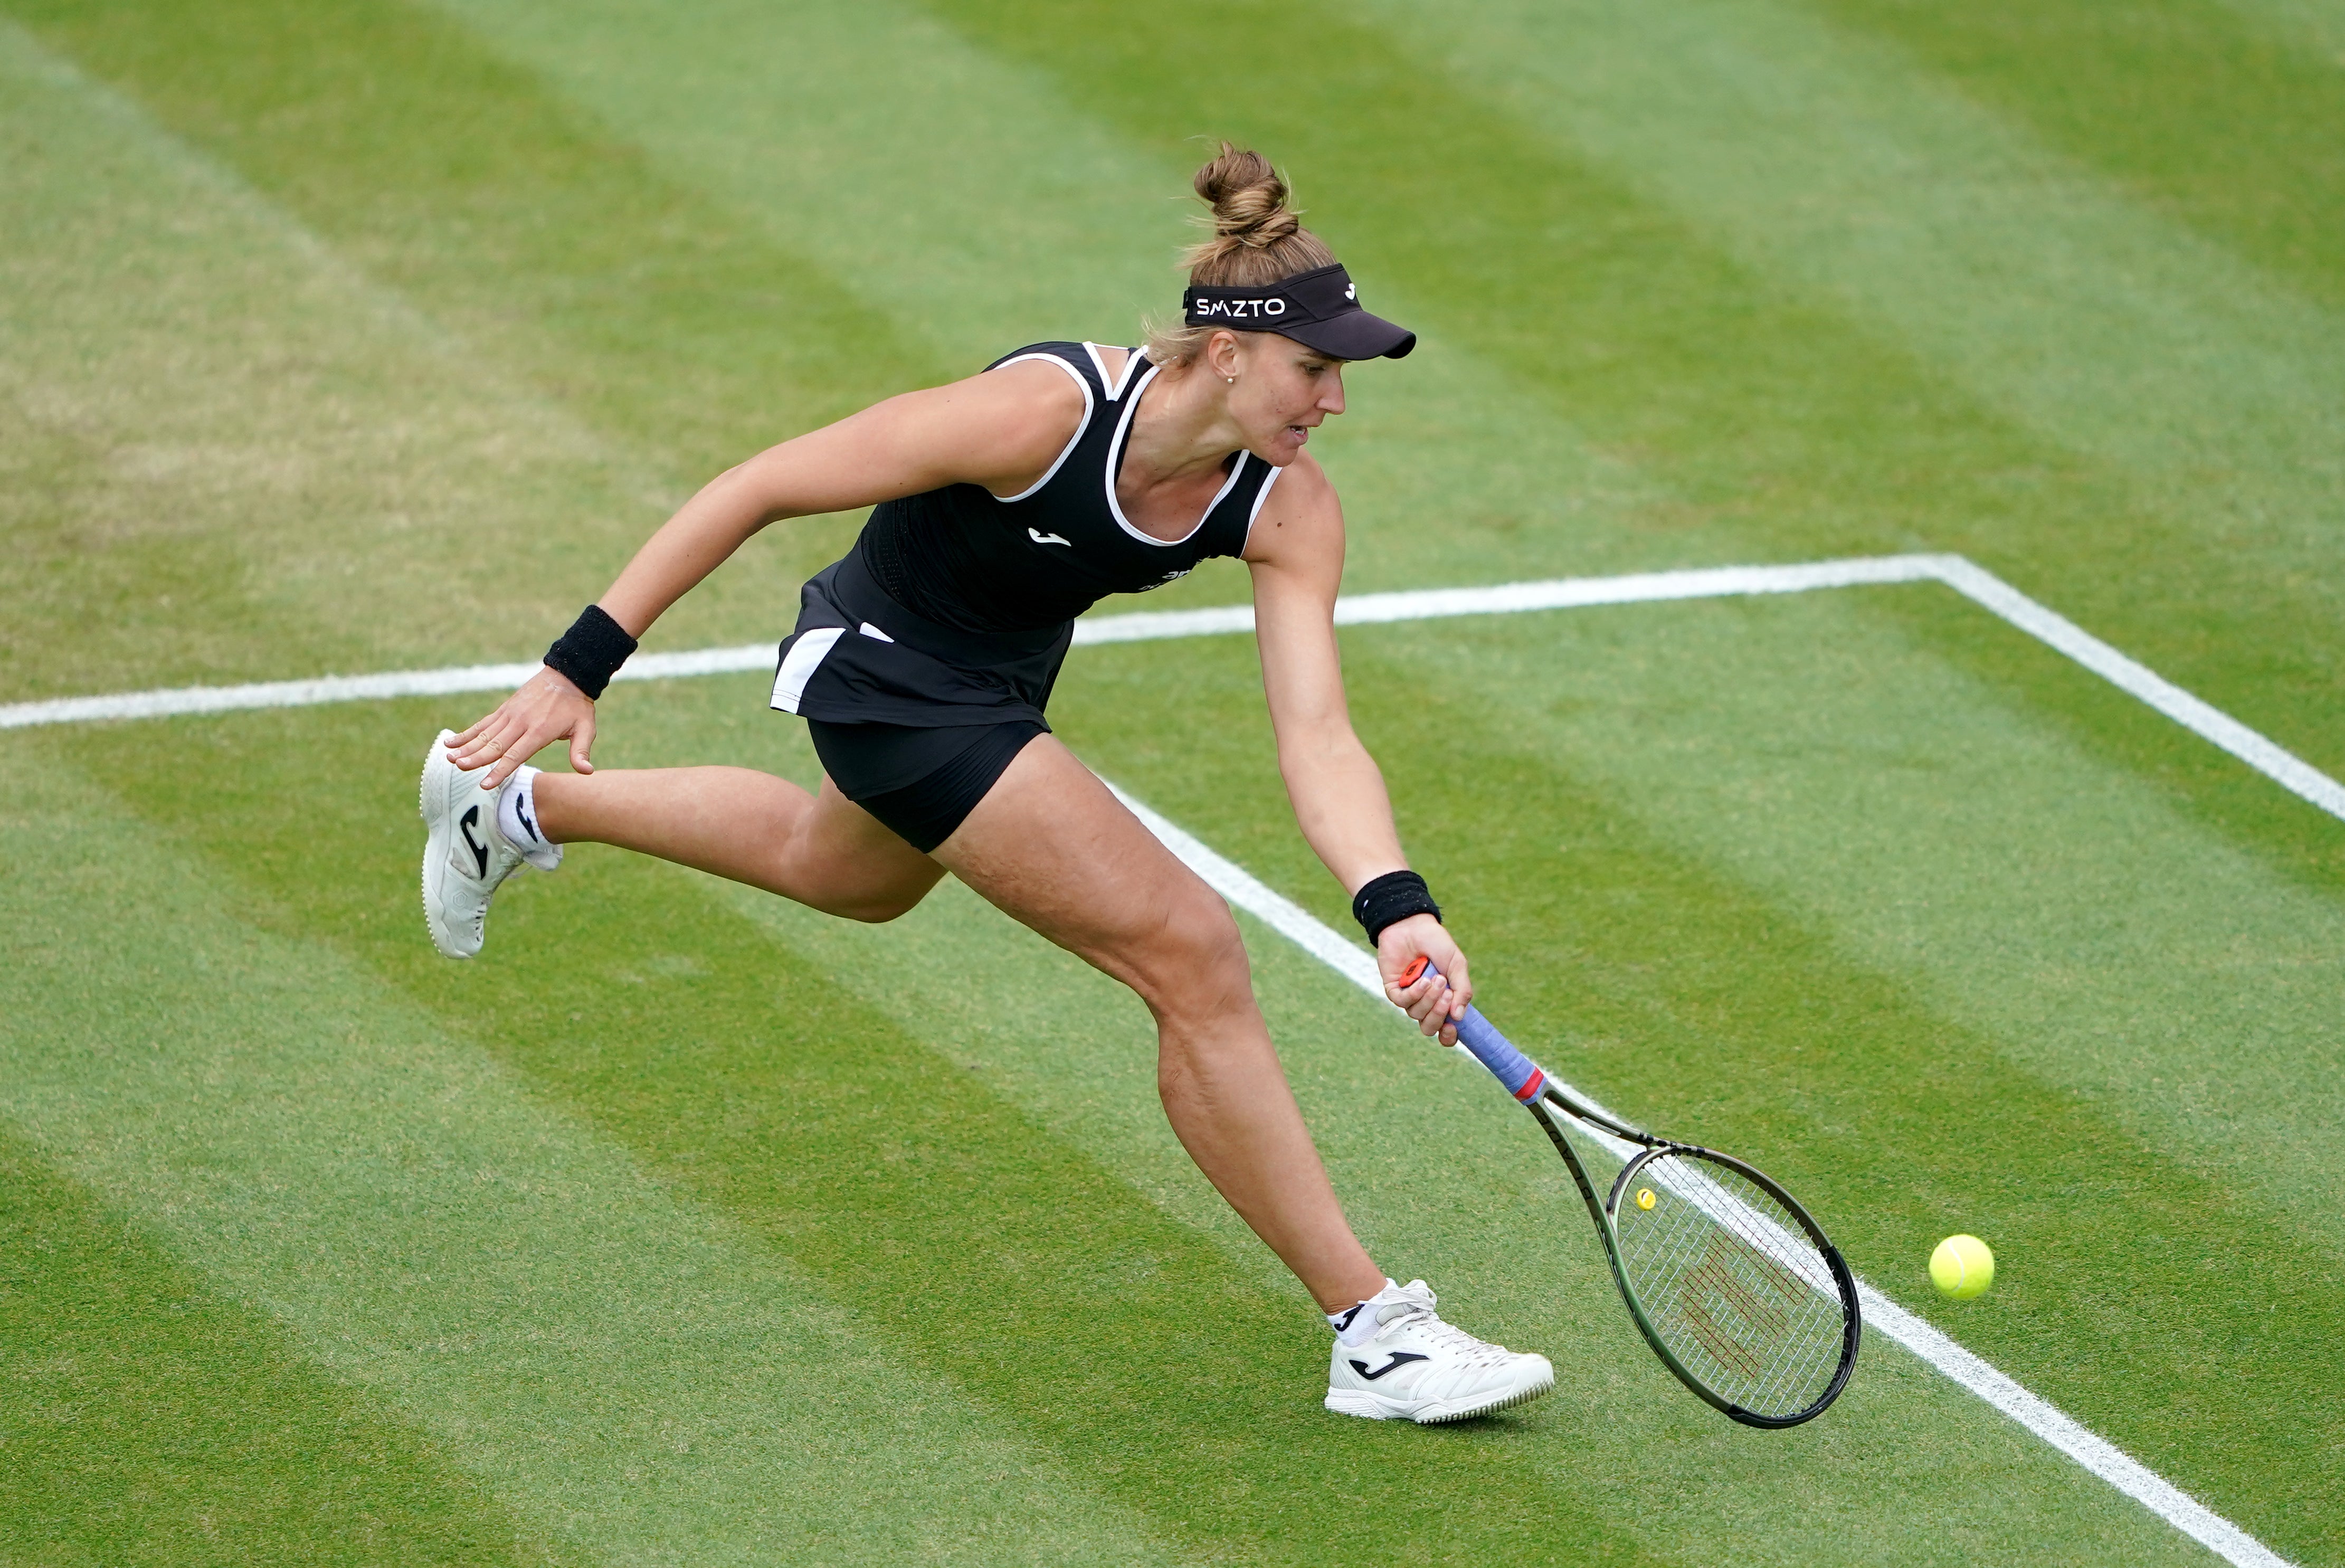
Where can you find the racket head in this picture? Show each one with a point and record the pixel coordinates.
(1734, 1286)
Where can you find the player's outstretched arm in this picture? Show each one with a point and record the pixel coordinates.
(1296, 555)
(1000, 429)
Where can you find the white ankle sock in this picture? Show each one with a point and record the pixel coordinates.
(517, 820)
(1353, 1325)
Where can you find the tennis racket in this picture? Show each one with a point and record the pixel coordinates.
(1736, 1289)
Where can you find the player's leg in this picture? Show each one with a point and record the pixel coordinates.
(1051, 847)
(820, 849)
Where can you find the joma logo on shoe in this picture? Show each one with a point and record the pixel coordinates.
(479, 851)
(1398, 1358)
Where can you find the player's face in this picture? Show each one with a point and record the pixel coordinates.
(1283, 391)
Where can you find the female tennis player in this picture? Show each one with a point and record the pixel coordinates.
(1005, 505)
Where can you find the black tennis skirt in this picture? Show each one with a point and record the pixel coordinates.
(914, 721)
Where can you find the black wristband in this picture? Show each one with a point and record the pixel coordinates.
(592, 651)
(1395, 896)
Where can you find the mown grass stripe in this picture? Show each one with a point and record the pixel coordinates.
(2242, 144)
(329, 336)
(618, 1363)
(149, 1422)
(1831, 159)
(1974, 582)
(227, 444)
(2096, 1453)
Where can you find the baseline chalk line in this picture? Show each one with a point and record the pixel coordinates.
(1883, 1316)
(1966, 577)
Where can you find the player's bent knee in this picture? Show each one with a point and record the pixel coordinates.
(855, 898)
(1197, 958)
(874, 909)
(874, 913)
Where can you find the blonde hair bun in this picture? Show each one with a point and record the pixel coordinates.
(1257, 240)
(1248, 198)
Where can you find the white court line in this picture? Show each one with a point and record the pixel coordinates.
(1881, 1316)
(1975, 582)
(2296, 776)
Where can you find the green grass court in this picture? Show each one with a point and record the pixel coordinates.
(687, 1225)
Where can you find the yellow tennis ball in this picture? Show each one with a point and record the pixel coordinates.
(1962, 1267)
(1644, 1198)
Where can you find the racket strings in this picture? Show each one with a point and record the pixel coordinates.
(1765, 1336)
(1732, 1284)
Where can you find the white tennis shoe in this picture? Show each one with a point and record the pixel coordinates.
(465, 856)
(1415, 1367)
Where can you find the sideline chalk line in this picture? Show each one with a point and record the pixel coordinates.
(1881, 1316)
(1975, 582)
(1966, 577)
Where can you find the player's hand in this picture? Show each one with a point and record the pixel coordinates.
(546, 709)
(1436, 1001)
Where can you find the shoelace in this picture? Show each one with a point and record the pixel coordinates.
(1420, 1317)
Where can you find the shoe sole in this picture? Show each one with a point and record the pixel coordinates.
(1434, 1412)
(440, 776)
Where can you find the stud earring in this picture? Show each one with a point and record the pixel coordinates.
(1232, 380)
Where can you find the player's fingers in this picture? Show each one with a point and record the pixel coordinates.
(525, 729)
(544, 732)
(1455, 974)
(462, 745)
(582, 743)
(503, 749)
(509, 763)
(476, 754)
(506, 749)
(1431, 1010)
(1414, 997)
(488, 740)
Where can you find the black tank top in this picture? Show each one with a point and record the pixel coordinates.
(965, 557)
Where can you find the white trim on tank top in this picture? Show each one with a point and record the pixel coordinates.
(1131, 362)
(1115, 463)
(1099, 364)
(1114, 384)
(1089, 404)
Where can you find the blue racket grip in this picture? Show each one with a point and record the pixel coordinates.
(1524, 1077)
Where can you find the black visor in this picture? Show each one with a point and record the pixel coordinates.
(1319, 308)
